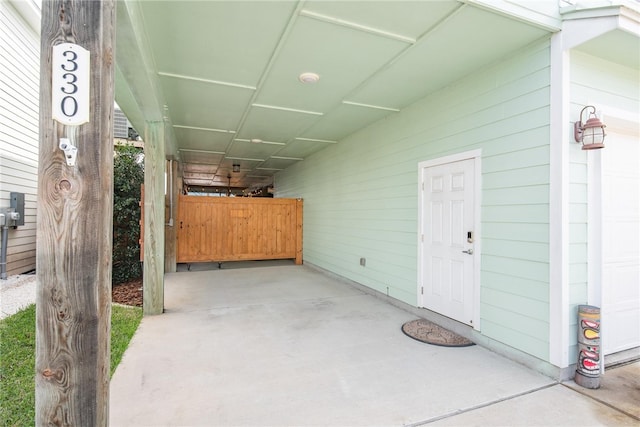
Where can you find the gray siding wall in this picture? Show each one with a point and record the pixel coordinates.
(19, 92)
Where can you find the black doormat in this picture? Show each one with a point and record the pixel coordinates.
(430, 333)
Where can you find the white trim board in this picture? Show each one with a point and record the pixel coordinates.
(560, 130)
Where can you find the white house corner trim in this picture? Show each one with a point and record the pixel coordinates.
(477, 268)
(594, 229)
(560, 130)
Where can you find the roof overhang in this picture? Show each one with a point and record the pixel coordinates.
(608, 30)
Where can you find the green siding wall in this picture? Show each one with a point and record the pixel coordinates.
(599, 82)
(361, 195)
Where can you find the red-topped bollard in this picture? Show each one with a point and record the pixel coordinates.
(589, 358)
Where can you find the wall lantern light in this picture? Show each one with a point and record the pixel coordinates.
(590, 133)
(236, 167)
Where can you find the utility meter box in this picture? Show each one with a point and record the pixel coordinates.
(17, 204)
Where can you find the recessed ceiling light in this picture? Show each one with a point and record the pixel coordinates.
(256, 140)
(308, 77)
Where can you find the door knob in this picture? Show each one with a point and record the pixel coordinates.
(468, 251)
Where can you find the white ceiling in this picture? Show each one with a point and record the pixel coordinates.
(226, 72)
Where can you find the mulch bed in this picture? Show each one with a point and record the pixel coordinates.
(129, 293)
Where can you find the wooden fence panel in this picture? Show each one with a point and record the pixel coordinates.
(212, 229)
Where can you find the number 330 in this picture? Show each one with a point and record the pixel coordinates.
(70, 98)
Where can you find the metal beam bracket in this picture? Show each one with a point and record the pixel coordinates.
(70, 151)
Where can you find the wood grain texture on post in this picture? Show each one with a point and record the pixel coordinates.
(154, 220)
(75, 205)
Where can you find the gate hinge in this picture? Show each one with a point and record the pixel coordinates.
(422, 290)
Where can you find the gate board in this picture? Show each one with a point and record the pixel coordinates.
(213, 229)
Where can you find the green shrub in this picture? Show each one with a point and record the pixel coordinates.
(128, 176)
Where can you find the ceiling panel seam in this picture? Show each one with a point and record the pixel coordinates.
(292, 110)
(281, 41)
(353, 26)
(421, 38)
(204, 129)
(356, 26)
(384, 67)
(286, 158)
(316, 140)
(263, 142)
(199, 79)
(244, 158)
(191, 150)
(376, 107)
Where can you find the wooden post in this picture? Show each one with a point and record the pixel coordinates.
(177, 190)
(171, 201)
(75, 214)
(154, 167)
(299, 205)
(141, 222)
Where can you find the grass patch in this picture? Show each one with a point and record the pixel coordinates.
(17, 359)
(124, 322)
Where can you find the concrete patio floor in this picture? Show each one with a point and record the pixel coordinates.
(287, 345)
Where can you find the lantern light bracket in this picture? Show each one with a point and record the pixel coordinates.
(594, 127)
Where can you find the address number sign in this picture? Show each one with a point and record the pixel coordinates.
(70, 84)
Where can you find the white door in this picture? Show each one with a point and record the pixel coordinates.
(447, 240)
(620, 243)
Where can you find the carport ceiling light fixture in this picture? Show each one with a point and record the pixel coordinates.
(256, 140)
(308, 77)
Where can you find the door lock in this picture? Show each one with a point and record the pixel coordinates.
(468, 251)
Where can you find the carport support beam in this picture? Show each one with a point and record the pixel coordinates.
(154, 218)
(299, 205)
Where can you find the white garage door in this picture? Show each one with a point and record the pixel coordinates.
(620, 242)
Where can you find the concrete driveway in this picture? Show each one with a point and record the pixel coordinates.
(286, 345)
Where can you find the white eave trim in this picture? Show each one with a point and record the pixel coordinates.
(629, 20)
(596, 9)
(624, 15)
(579, 28)
(514, 10)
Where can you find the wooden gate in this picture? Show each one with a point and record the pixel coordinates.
(214, 229)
